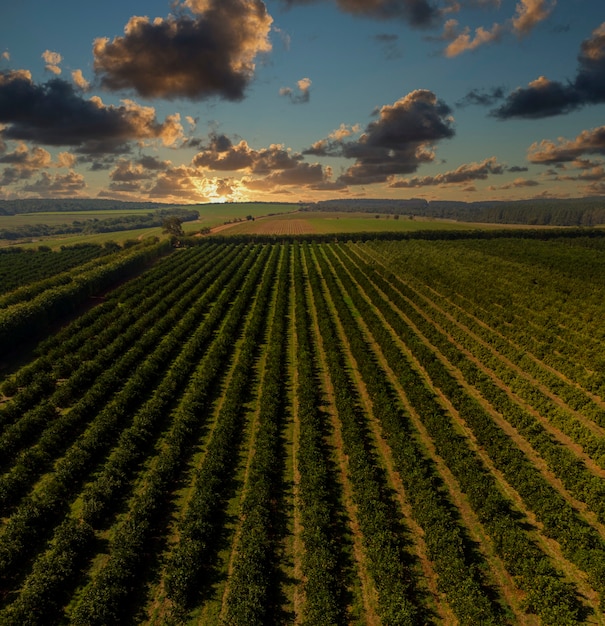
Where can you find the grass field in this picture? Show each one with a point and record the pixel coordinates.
(299, 223)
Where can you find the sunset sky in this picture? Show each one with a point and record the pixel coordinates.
(197, 101)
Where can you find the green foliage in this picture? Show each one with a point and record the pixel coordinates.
(123, 440)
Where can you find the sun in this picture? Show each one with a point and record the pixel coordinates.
(220, 191)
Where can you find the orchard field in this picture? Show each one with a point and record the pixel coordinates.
(305, 432)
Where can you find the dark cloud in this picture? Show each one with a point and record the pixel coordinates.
(54, 114)
(23, 164)
(12, 175)
(60, 185)
(153, 163)
(517, 168)
(396, 143)
(126, 187)
(462, 174)
(127, 171)
(417, 13)
(482, 97)
(590, 80)
(25, 161)
(303, 175)
(544, 98)
(196, 57)
(222, 155)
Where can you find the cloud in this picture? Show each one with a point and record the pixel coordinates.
(23, 163)
(529, 13)
(136, 177)
(302, 175)
(482, 97)
(182, 184)
(518, 183)
(590, 80)
(462, 41)
(178, 182)
(222, 155)
(416, 13)
(27, 161)
(593, 174)
(268, 169)
(54, 114)
(344, 131)
(396, 143)
(5, 55)
(284, 36)
(60, 185)
(587, 142)
(544, 98)
(332, 145)
(303, 95)
(79, 80)
(153, 163)
(52, 60)
(210, 54)
(127, 171)
(462, 174)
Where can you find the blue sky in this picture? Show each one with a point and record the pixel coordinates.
(301, 100)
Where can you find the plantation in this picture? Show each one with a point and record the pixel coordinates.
(291, 431)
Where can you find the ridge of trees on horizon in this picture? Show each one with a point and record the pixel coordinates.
(537, 212)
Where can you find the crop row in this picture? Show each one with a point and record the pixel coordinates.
(29, 311)
(198, 529)
(35, 514)
(538, 494)
(251, 599)
(322, 559)
(25, 267)
(514, 303)
(138, 342)
(306, 432)
(380, 522)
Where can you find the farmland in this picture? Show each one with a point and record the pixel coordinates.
(378, 432)
(309, 222)
(96, 226)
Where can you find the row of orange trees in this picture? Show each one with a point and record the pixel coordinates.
(311, 432)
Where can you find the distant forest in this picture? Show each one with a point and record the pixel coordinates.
(539, 212)
(43, 205)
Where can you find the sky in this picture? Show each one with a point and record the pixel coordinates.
(196, 101)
